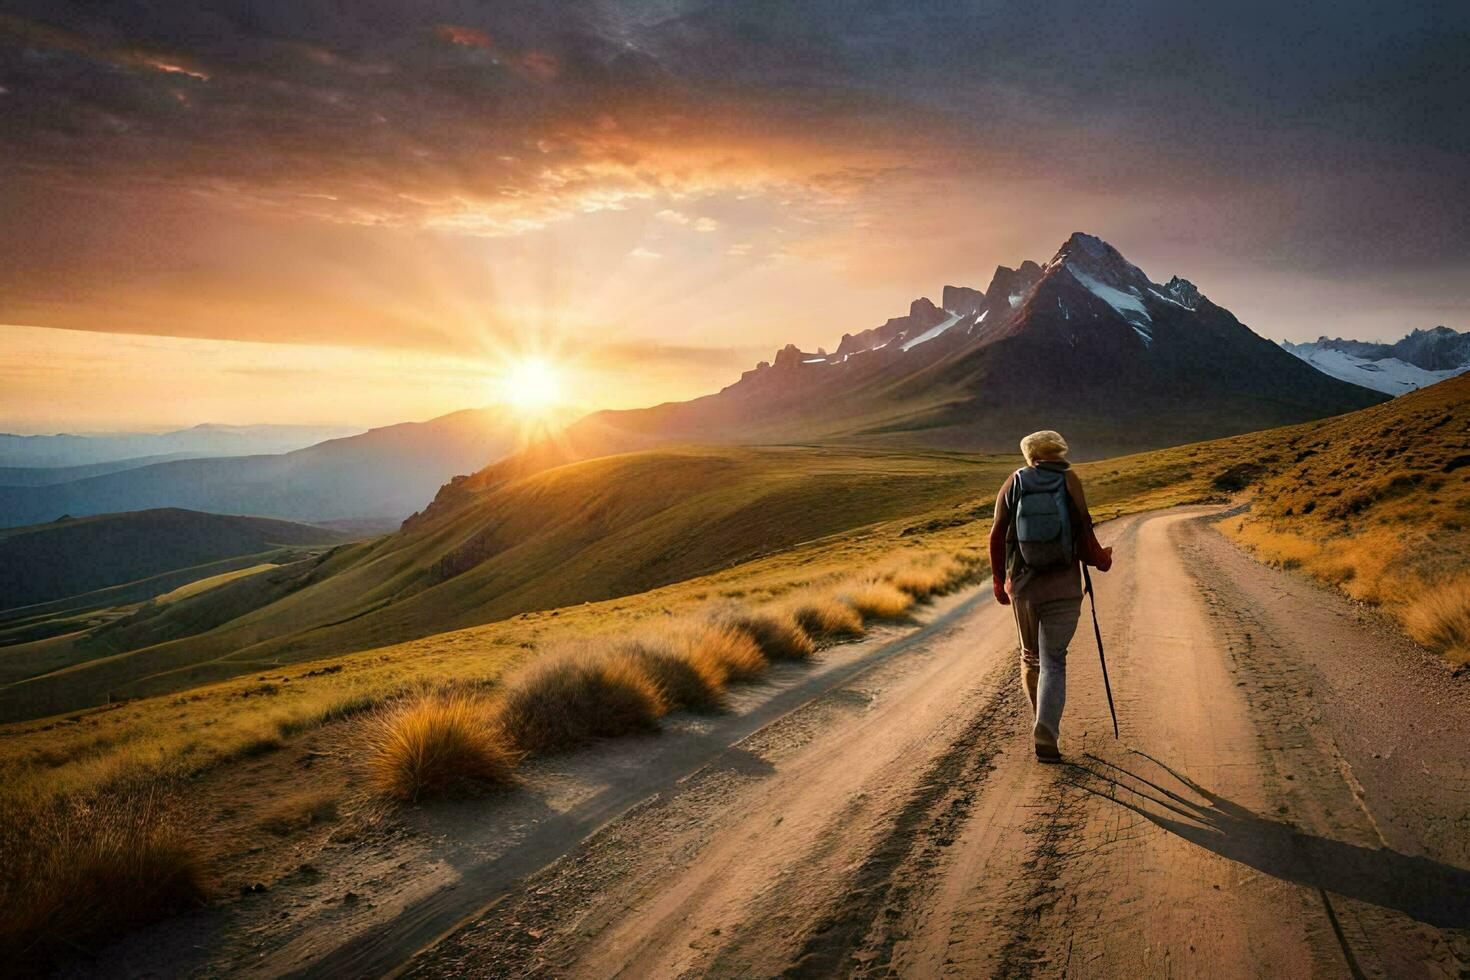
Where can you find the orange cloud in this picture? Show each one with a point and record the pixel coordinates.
(466, 37)
(50, 38)
(173, 69)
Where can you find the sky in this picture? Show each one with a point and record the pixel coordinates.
(309, 211)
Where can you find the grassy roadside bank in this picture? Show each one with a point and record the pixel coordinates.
(1375, 504)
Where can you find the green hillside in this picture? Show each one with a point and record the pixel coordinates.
(585, 532)
(45, 562)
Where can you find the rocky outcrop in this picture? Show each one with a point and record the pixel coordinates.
(963, 299)
(922, 315)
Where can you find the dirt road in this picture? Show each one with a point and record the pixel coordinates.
(1291, 797)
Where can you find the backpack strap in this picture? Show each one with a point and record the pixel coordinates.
(1014, 495)
(1014, 562)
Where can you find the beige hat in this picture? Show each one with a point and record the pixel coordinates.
(1043, 445)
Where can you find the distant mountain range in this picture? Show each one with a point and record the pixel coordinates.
(65, 558)
(143, 447)
(380, 475)
(1423, 357)
(1086, 343)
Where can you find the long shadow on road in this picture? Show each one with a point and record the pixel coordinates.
(1428, 891)
(389, 947)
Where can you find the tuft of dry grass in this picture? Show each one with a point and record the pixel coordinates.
(1439, 618)
(826, 616)
(874, 599)
(923, 579)
(435, 745)
(79, 871)
(568, 699)
(721, 650)
(1279, 547)
(778, 635)
(684, 682)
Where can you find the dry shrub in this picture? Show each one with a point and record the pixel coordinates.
(875, 599)
(826, 616)
(778, 634)
(932, 577)
(684, 681)
(1284, 548)
(971, 557)
(435, 745)
(719, 649)
(1439, 618)
(568, 699)
(1367, 561)
(76, 872)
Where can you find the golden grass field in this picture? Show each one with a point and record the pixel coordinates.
(655, 596)
(1375, 503)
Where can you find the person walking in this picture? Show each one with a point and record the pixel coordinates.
(1041, 534)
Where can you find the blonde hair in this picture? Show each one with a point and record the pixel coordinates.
(1045, 444)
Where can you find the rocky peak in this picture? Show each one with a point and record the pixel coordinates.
(1095, 259)
(1008, 282)
(963, 299)
(1436, 349)
(1184, 291)
(922, 308)
(922, 315)
(788, 356)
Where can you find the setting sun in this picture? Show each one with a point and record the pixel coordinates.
(532, 386)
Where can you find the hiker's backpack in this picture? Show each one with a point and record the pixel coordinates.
(1041, 513)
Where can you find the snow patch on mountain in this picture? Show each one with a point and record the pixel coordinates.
(1170, 299)
(1129, 306)
(1388, 374)
(932, 332)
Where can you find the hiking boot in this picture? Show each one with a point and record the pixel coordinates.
(1046, 744)
(1029, 676)
(1047, 753)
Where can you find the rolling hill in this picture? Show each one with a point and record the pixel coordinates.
(387, 472)
(45, 562)
(46, 476)
(71, 449)
(585, 532)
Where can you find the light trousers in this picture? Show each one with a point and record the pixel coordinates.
(1046, 628)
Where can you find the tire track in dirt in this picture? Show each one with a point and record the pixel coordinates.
(897, 871)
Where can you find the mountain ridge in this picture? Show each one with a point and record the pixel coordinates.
(1421, 357)
(389, 471)
(1086, 343)
(208, 439)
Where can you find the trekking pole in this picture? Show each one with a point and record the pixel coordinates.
(1097, 632)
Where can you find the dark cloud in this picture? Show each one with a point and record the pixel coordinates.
(1314, 135)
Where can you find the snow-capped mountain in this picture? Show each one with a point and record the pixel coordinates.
(1421, 358)
(1087, 344)
(1087, 341)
